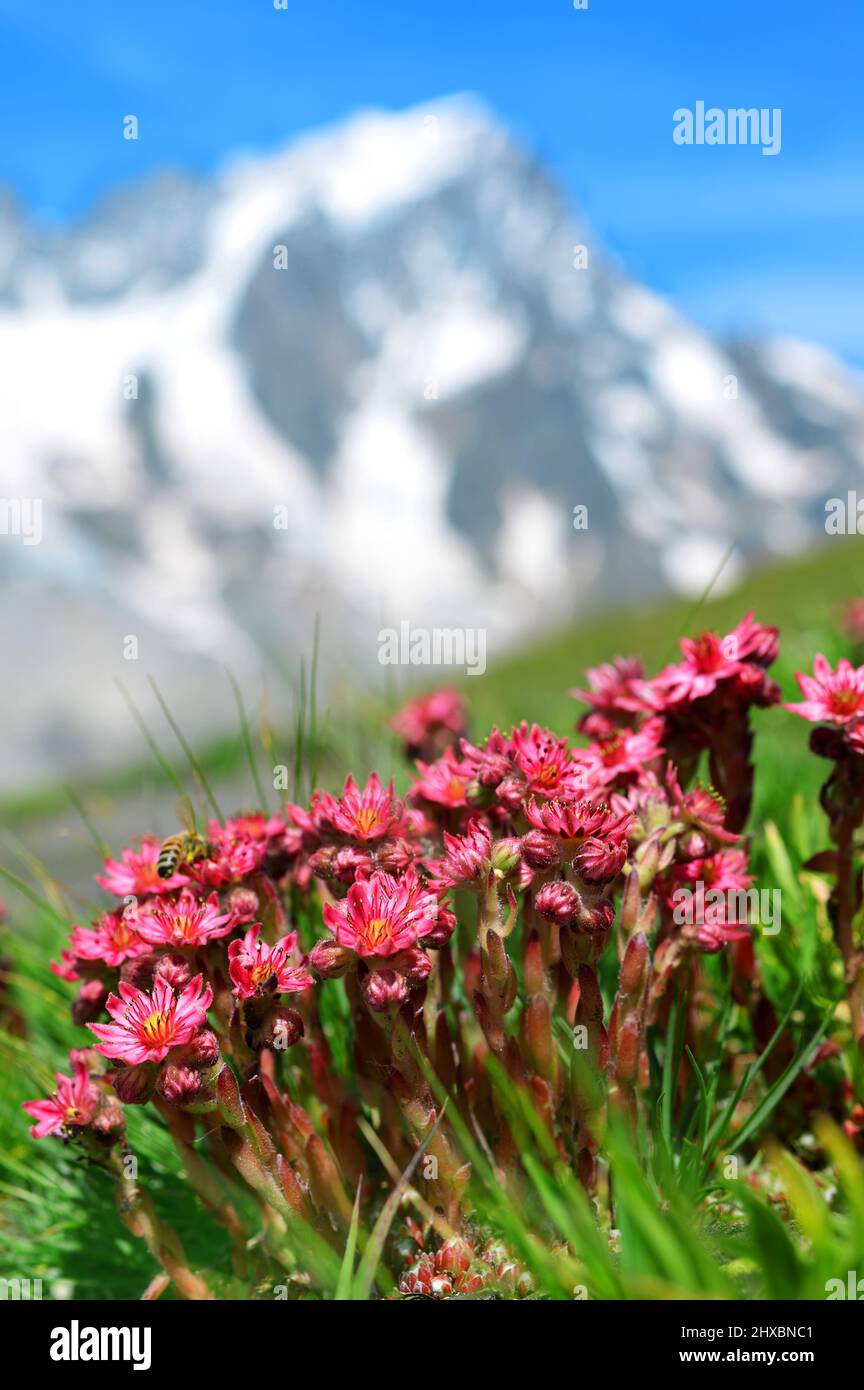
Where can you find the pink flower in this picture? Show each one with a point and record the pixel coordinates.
(724, 872)
(364, 815)
(708, 897)
(184, 921)
(710, 660)
(756, 642)
(147, 1026)
(113, 939)
(256, 968)
(621, 754)
(232, 856)
(577, 820)
(72, 1105)
(431, 723)
(546, 763)
(702, 808)
(615, 687)
(136, 876)
(714, 932)
(383, 915)
(253, 826)
(489, 764)
(705, 664)
(443, 782)
(64, 969)
(835, 697)
(468, 858)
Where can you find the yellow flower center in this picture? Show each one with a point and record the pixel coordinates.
(155, 1028)
(378, 930)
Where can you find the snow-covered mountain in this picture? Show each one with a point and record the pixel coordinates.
(370, 376)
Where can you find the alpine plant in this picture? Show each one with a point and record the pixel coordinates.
(516, 910)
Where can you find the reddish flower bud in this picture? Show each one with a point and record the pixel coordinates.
(599, 861)
(445, 925)
(381, 988)
(330, 960)
(559, 902)
(175, 970)
(243, 905)
(202, 1052)
(541, 850)
(396, 855)
(109, 1119)
(285, 1028)
(178, 1085)
(414, 964)
(88, 1057)
(455, 1255)
(134, 1085)
(138, 971)
(348, 862)
(89, 1002)
(828, 743)
(321, 861)
(596, 918)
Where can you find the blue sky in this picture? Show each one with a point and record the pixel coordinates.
(737, 239)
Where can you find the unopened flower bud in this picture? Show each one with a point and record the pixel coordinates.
(596, 918)
(599, 861)
(109, 1119)
(134, 1085)
(330, 960)
(396, 855)
(454, 1256)
(321, 861)
(540, 850)
(415, 965)
(479, 796)
(178, 1085)
(506, 855)
(175, 970)
(445, 925)
(202, 1052)
(559, 902)
(348, 862)
(628, 1046)
(92, 1060)
(139, 971)
(828, 743)
(384, 987)
(243, 905)
(88, 1002)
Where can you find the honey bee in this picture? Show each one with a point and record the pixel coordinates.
(184, 847)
